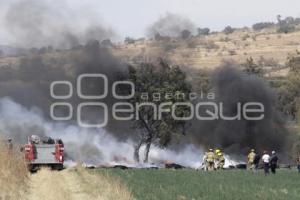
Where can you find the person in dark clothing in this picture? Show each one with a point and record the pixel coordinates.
(273, 162)
(298, 163)
(256, 161)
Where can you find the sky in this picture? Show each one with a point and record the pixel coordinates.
(132, 17)
(215, 14)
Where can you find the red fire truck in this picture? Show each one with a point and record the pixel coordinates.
(47, 152)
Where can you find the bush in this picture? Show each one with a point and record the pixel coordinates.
(286, 28)
(211, 45)
(267, 62)
(192, 45)
(228, 30)
(129, 40)
(185, 34)
(232, 52)
(159, 37)
(170, 47)
(208, 44)
(245, 37)
(250, 67)
(107, 43)
(203, 31)
(226, 39)
(262, 25)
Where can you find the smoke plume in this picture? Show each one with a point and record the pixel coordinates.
(171, 25)
(34, 23)
(92, 146)
(239, 136)
(28, 83)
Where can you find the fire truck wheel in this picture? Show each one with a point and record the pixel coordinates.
(32, 168)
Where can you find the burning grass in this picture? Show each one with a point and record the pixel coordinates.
(220, 185)
(13, 173)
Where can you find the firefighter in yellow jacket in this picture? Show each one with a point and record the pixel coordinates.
(221, 160)
(210, 160)
(251, 157)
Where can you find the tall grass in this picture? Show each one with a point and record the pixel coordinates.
(13, 173)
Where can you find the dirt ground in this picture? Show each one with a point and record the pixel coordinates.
(74, 184)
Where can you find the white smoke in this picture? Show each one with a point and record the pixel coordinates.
(91, 146)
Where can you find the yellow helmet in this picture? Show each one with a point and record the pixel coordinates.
(218, 150)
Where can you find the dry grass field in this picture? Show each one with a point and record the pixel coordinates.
(13, 174)
(209, 51)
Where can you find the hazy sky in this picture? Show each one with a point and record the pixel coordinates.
(132, 17)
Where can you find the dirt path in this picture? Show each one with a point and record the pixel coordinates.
(74, 184)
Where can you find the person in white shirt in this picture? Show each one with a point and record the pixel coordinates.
(266, 160)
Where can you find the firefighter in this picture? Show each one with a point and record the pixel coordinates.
(256, 161)
(217, 158)
(266, 161)
(298, 163)
(210, 160)
(217, 151)
(204, 164)
(273, 162)
(251, 157)
(221, 160)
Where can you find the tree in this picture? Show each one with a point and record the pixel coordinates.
(185, 34)
(203, 31)
(150, 79)
(294, 64)
(289, 94)
(202, 82)
(250, 67)
(278, 17)
(286, 28)
(287, 25)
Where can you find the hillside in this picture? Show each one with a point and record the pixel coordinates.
(265, 46)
